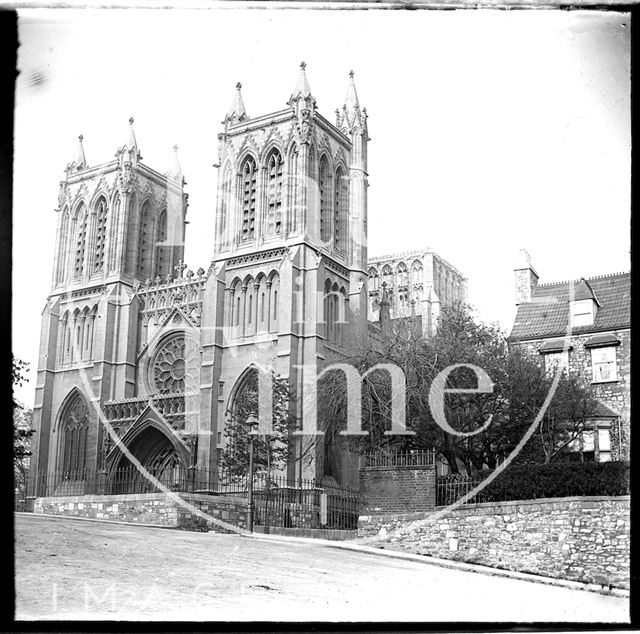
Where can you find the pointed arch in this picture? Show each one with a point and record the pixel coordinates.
(154, 444)
(248, 188)
(132, 235)
(63, 240)
(226, 205)
(274, 168)
(73, 427)
(162, 256)
(143, 265)
(100, 233)
(324, 186)
(114, 231)
(273, 288)
(80, 234)
(341, 202)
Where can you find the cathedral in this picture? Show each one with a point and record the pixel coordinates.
(141, 357)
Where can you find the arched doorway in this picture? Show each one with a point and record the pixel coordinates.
(158, 455)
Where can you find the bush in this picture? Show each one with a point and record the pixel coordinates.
(559, 479)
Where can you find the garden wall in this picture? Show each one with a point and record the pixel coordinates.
(579, 538)
(157, 509)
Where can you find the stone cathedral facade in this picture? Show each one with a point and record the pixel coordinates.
(132, 338)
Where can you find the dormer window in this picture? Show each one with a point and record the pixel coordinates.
(583, 312)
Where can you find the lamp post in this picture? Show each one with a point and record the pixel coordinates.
(251, 422)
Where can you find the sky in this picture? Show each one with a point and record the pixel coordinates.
(491, 131)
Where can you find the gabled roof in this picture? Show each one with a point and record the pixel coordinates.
(547, 315)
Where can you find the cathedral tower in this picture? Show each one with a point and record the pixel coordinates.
(289, 284)
(119, 224)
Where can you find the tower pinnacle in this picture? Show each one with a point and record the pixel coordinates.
(237, 110)
(301, 90)
(131, 145)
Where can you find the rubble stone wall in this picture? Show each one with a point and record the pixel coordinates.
(579, 538)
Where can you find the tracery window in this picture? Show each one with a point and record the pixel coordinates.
(325, 210)
(62, 253)
(74, 424)
(162, 256)
(341, 201)
(249, 174)
(144, 236)
(176, 366)
(81, 237)
(274, 193)
(101, 235)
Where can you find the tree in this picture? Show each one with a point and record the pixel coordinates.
(22, 431)
(271, 453)
(519, 390)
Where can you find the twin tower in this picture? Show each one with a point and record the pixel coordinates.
(161, 354)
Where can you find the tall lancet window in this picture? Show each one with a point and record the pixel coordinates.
(249, 174)
(101, 235)
(144, 238)
(81, 239)
(62, 246)
(339, 221)
(325, 201)
(162, 255)
(73, 428)
(274, 193)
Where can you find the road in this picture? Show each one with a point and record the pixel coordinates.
(68, 569)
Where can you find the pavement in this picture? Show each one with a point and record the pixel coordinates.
(69, 570)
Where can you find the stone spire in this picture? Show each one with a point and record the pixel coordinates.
(131, 145)
(237, 110)
(351, 115)
(79, 161)
(175, 171)
(302, 90)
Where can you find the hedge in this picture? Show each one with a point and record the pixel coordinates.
(561, 479)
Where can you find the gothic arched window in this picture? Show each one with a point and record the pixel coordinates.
(62, 246)
(115, 221)
(249, 174)
(100, 235)
(325, 201)
(162, 256)
(74, 423)
(144, 238)
(341, 201)
(81, 239)
(274, 193)
(403, 274)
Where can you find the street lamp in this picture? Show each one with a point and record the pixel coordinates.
(251, 423)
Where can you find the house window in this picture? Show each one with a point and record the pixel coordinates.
(582, 313)
(555, 360)
(604, 445)
(603, 364)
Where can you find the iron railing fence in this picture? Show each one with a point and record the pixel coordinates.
(277, 500)
(449, 490)
(415, 458)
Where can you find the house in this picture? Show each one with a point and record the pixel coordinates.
(584, 325)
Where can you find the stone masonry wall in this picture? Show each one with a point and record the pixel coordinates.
(581, 539)
(156, 509)
(397, 489)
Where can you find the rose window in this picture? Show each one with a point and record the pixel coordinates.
(176, 366)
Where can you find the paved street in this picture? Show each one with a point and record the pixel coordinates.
(67, 569)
